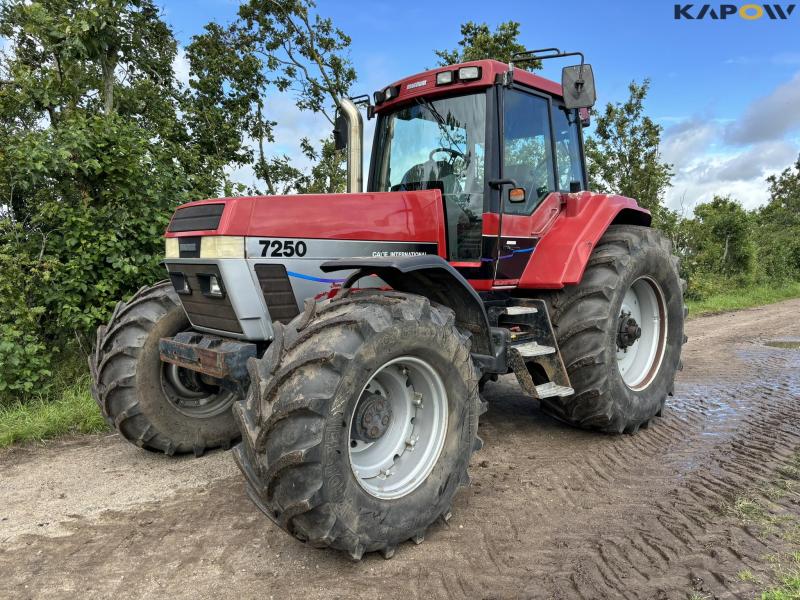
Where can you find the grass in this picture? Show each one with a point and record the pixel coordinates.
(70, 410)
(746, 575)
(746, 297)
(774, 524)
(788, 587)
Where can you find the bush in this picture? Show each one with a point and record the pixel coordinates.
(24, 355)
(92, 200)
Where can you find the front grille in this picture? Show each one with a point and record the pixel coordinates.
(203, 311)
(204, 217)
(277, 292)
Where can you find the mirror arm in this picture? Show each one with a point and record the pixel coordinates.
(544, 54)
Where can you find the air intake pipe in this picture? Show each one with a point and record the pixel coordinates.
(348, 133)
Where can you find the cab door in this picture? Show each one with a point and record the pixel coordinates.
(527, 153)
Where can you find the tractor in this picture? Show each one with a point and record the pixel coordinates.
(343, 340)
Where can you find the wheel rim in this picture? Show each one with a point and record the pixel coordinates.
(193, 394)
(398, 427)
(639, 356)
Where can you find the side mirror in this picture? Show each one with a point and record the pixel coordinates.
(340, 131)
(578, 86)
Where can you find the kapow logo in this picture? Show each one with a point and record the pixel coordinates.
(749, 12)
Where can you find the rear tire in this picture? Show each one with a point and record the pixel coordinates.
(130, 384)
(297, 420)
(612, 394)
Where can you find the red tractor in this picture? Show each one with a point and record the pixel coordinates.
(345, 338)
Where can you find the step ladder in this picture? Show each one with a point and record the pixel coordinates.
(549, 390)
(520, 310)
(531, 349)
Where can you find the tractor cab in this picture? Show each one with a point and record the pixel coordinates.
(495, 140)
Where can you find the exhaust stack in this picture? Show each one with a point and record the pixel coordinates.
(348, 134)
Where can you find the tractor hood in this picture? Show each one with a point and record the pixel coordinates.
(411, 216)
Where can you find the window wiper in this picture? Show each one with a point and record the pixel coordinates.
(441, 122)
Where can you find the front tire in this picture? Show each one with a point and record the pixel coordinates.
(621, 380)
(156, 406)
(307, 465)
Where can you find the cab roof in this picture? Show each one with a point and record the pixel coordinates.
(424, 84)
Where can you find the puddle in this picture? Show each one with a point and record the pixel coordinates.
(785, 344)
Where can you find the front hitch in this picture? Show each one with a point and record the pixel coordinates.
(223, 359)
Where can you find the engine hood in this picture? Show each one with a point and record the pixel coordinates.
(414, 216)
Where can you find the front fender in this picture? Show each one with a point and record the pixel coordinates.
(430, 276)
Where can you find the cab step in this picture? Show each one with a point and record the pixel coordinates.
(549, 390)
(521, 310)
(532, 349)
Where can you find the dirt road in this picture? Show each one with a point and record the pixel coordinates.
(551, 513)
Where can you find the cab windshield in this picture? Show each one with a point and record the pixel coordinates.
(439, 144)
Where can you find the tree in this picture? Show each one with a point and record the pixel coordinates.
(623, 153)
(92, 164)
(99, 143)
(778, 226)
(479, 42)
(236, 72)
(721, 239)
(225, 76)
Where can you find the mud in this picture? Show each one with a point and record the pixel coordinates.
(552, 512)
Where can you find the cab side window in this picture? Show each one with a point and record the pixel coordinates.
(568, 148)
(527, 149)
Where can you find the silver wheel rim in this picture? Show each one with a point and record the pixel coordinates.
(190, 395)
(640, 362)
(401, 458)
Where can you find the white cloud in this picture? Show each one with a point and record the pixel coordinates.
(6, 49)
(703, 168)
(685, 140)
(180, 66)
(688, 192)
(757, 161)
(733, 157)
(770, 116)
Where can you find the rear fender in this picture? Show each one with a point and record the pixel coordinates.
(562, 253)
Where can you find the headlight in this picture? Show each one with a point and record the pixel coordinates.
(171, 250)
(221, 246)
(444, 77)
(469, 73)
(214, 288)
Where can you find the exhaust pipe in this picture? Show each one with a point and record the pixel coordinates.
(349, 133)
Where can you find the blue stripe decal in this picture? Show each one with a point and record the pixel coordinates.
(513, 252)
(313, 278)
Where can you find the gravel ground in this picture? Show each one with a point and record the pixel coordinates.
(552, 512)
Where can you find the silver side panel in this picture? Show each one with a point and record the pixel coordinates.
(306, 278)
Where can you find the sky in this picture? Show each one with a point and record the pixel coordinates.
(727, 92)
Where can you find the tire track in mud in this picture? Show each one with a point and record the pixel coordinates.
(552, 512)
(656, 537)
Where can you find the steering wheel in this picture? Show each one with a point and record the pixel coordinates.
(454, 154)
